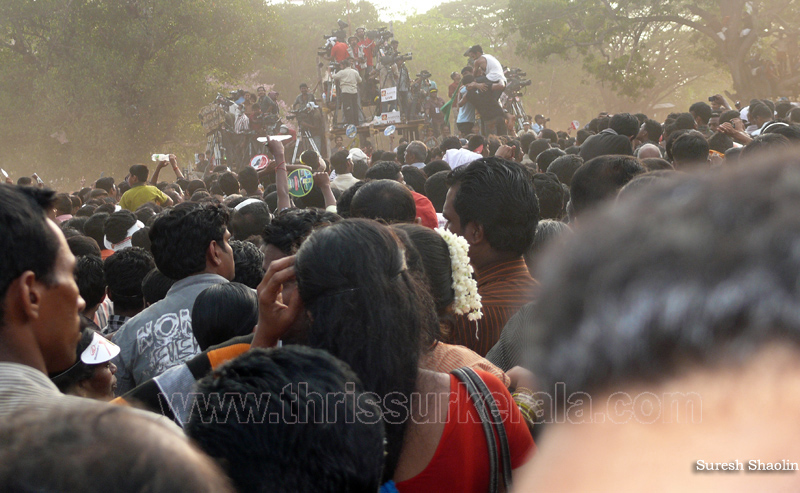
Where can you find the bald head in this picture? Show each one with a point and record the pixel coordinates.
(648, 151)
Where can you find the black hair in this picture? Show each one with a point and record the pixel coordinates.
(95, 448)
(600, 179)
(766, 142)
(383, 170)
(498, 195)
(550, 194)
(759, 110)
(685, 121)
(544, 158)
(701, 110)
(536, 147)
(90, 279)
(248, 179)
(414, 177)
(720, 142)
(339, 162)
(791, 132)
(719, 293)
(141, 239)
(228, 183)
(27, 242)
(147, 213)
(332, 450)
(70, 378)
(224, 311)
(436, 189)
(75, 223)
(389, 156)
(581, 135)
(140, 171)
(155, 286)
(94, 227)
(437, 264)
(360, 168)
(624, 124)
(83, 245)
(653, 129)
(690, 148)
(346, 198)
(655, 164)
(550, 135)
(782, 109)
(728, 115)
(24, 181)
(794, 115)
(117, 225)
(451, 142)
(105, 208)
(546, 231)
(181, 236)
(377, 154)
(194, 186)
(125, 271)
(85, 211)
(62, 204)
(249, 262)
(384, 199)
(250, 220)
(291, 227)
(434, 167)
(368, 310)
(671, 140)
(564, 167)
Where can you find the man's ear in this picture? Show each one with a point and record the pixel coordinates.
(213, 256)
(23, 299)
(474, 233)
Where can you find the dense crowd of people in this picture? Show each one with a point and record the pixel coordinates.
(408, 324)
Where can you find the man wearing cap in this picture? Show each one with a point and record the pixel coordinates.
(526, 129)
(355, 52)
(539, 124)
(486, 89)
(433, 110)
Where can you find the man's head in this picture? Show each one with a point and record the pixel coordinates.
(551, 195)
(416, 152)
(600, 179)
(492, 204)
(648, 151)
(284, 235)
(303, 88)
(759, 114)
(625, 124)
(124, 272)
(691, 148)
(384, 199)
(340, 163)
(331, 450)
(138, 174)
(650, 130)
(94, 449)
(565, 167)
(703, 308)
(107, 184)
(249, 219)
(384, 170)
(701, 112)
(192, 239)
(248, 179)
(39, 323)
(474, 52)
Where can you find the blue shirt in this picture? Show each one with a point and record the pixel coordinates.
(466, 112)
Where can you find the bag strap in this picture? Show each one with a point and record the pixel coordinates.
(497, 423)
(475, 396)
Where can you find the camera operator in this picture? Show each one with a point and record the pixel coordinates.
(348, 79)
(403, 87)
(310, 119)
(539, 123)
(265, 102)
(355, 52)
(367, 47)
(305, 97)
(433, 111)
(487, 88)
(242, 124)
(257, 124)
(339, 49)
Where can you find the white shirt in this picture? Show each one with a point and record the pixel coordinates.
(460, 157)
(494, 71)
(343, 182)
(418, 165)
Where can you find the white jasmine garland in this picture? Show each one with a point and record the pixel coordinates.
(467, 299)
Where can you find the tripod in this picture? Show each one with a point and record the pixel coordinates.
(304, 140)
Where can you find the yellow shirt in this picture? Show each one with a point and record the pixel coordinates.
(140, 195)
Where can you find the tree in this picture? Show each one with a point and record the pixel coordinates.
(100, 84)
(618, 41)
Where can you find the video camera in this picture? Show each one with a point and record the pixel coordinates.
(515, 80)
(423, 74)
(396, 57)
(302, 112)
(381, 34)
(330, 39)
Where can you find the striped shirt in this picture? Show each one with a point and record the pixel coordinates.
(242, 124)
(445, 358)
(22, 386)
(504, 288)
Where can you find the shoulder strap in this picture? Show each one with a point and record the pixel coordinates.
(497, 423)
(475, 396)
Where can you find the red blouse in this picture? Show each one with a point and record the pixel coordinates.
(461, 461)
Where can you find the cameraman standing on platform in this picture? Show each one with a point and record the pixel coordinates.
(489, 84)
(367, 47)
(339, 49)
(265, 102)
(310, 119)
(305, 97)
(348, 79)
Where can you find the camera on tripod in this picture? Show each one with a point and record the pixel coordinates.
(424, 74)
(330, 39)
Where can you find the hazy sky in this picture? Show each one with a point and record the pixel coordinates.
(398, 9)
